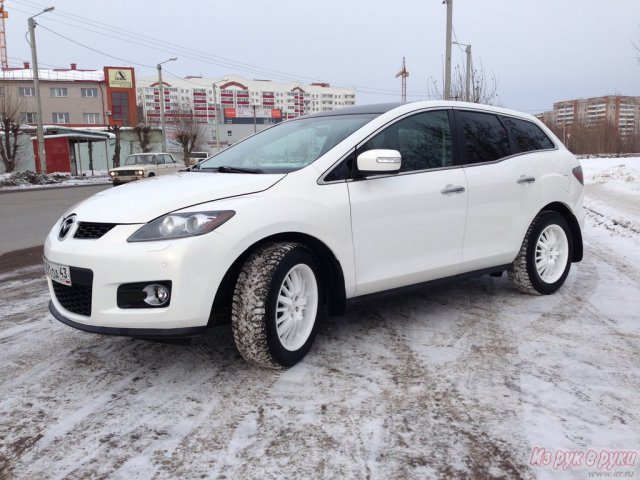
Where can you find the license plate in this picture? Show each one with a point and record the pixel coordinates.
(57, 273)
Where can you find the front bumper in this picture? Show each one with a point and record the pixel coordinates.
(168, 333)
(125, 179)
(195, 266)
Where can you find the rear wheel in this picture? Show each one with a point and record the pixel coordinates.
(544, 260)
(276, 303)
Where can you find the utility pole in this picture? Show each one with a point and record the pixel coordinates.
(255, 127)
(404, 73)
(469, 70)
(36, 85)
(162, 120)
(215, 104)
(467, 92)
(447, 64)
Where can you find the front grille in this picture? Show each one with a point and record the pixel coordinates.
(90, 230)
(76, 297)
(126, 172)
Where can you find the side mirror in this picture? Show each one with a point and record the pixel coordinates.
(379, 162)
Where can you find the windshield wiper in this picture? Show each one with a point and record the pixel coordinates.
(227, 169)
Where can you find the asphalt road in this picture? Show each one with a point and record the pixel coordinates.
(28, 215)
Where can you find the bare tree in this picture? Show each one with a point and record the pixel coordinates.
(143, 133)
(594, 138)
(188, 133)
(116, 150)
(10, 111)
(483, 89)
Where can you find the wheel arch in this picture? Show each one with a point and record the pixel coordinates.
(574, 226)
(332, 275)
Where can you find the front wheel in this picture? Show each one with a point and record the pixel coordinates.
(544, 260)
(276, 304)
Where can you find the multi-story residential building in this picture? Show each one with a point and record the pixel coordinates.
(74, 97)
(240, 100)
(621, 111)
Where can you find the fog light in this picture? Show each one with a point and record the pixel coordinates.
(149, 294)
(157, 295)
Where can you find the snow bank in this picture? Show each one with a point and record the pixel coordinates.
(29, 179)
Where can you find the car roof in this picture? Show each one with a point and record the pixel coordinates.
(376, 108)
(382, 108)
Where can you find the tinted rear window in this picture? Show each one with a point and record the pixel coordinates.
(527, 135)
(484, 139)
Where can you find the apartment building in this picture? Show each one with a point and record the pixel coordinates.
(621, 111)
(73, 97)
(238, 99)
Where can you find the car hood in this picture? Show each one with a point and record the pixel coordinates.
(144, 200)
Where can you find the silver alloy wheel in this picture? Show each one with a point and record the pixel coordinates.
(552, 253)
(296, 307)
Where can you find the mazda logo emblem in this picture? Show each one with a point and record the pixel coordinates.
(66, 226)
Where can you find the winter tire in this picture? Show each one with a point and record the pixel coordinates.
(544, 260)
(276, 304)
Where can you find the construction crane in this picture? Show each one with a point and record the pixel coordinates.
(404, 73)
(3, 38)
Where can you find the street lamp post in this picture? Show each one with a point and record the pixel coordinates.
(36, 84)
(162, 121)
(215, 105)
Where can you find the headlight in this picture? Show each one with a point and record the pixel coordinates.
(113, 174)
(180, 225)
(140, 172)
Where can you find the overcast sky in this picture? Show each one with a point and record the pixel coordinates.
(541, 51)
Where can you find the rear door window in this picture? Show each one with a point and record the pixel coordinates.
(484, 139)
(527, 135)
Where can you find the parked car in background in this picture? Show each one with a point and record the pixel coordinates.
(197, 157)
(144, 165)
(316, 211)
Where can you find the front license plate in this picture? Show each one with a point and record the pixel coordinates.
(57, 273)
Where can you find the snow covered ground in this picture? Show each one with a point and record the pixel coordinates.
(25, 180)
(465, 380)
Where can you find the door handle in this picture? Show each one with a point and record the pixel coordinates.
(525, 179)
(452, 189)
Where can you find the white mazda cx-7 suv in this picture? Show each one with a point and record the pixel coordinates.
(310, 213)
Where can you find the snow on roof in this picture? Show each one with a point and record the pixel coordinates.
(76, 136)
(235, 80)
(59, 75)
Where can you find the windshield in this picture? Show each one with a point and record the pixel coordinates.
(288, 146)
(140, 160)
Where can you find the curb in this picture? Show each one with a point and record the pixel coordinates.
(21, 258)
(50, 187)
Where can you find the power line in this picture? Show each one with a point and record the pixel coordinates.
(141, 40)
(202, 56)
(24, 60)
(152, 43)
(94, 50)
